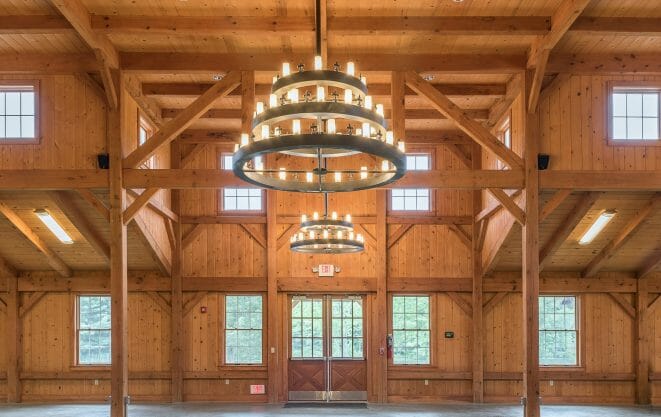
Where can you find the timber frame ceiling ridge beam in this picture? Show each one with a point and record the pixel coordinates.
(475, 130)
(538, 55)
(622, 237)
(51, 257)
(184, 119)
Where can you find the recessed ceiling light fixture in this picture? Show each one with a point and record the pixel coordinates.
(53, 226)
(597, 227)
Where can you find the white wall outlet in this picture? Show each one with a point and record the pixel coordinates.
(227, 382)
(426, 382)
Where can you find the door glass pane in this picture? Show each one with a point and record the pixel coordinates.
(347, 329)
(307, 330)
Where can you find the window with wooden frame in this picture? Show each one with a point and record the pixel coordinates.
(19, 112)
(145, 131)
(504, 134)
(93, 334)
(413, 199)
(634, 112)
(244, 317)
(411, 329)
(558, 330)
(239, 199)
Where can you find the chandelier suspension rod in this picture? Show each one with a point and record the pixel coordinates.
(317, 27)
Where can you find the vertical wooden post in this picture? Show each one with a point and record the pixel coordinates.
(379, 326)
(642, 348)
(477, 334)
(14, 338)
(273, 319)
(118, 268)
(177, 296)
(530, 267)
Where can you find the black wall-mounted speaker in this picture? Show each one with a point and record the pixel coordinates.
(543, 161)
(103, 159)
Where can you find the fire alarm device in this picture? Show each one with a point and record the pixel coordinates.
(203, 309)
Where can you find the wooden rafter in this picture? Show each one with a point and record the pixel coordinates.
(539, 52)
(625, 234)
(169, 230)
(472, 128)
(174, 127)
(565, 228)
(558, 198)
(509, 203)
(51, 257)
(64, 200)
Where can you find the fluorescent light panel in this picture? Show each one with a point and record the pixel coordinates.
(596, 227)
(53, 226)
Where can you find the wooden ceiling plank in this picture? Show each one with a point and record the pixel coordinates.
(650, 264)
(509, 203)
(556, 200)
(95, 202)
(472, 128)
(184, 119)
(51, 257)
(64, 201)
(565, 228)
(622, 237)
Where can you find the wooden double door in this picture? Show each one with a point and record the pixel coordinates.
(327, 360)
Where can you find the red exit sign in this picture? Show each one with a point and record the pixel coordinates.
(326, 270)
(257, 389)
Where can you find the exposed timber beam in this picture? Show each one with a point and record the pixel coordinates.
(184, 119)
(411, 114)
(556, 200)
(174, 62)
(472, 128)
(51, 257)
(492, 209)
(64, 200)
(509, 203)
(600, 180)
(625, 63)
(376, 90)
(53, 179)
(6, 268)
(632, 26)
(539, 52)
(95, 202)
(48, 63)
(653, 262)
(565, 228)
(622, 237)
(157, 207)
(139, 202)
(33, 25)
(504, 104)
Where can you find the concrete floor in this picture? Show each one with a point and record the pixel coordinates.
(207, 410)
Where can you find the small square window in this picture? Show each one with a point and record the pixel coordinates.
(413, 199)
(18, 113)
(634, 113)
(93, 330)
(239, 199)
(145, 131)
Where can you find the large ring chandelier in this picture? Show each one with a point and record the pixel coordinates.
(319, 133)
(327, 234)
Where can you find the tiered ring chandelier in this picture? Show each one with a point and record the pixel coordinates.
(328, 234)
(326, 115)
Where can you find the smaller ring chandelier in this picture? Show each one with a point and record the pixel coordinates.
(323, 129)
(326, 234)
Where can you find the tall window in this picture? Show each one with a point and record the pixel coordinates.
(18, 113)
(558, 333)
(347, 328)
(411, 330)
(145, 130)
(505, 136)
(239, 199)
(93, 330)
(413, 199)
(243, 329)
(307, 328)
(634, 113)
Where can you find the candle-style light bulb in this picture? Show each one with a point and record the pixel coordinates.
(385, 165)
(244, 139)
(285, 69)
(308, 176)
(363, 173)
(301, 236)
(363, 79)
(318, 64)
(348, 96)
(340, 234)
(304, 218)
(390, 138)
(347, 218)
(259, 107)
(311, 234)
(338, 177)
(321, 94)
(351, 236)
(266, 131)
(330, 126)
(282, 174)
(366, 130)
(236, 147)
(325, 234)
(351, 69)
(359, 237)
(274, 79)
(368, 102)
(292, 95)
(401, 146)
(334, 215)
(379, 109)
(315, 216)
(259, 165)
(296, 127)
(273, 101)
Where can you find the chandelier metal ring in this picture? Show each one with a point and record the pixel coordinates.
(335, 246)
(325, 78)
